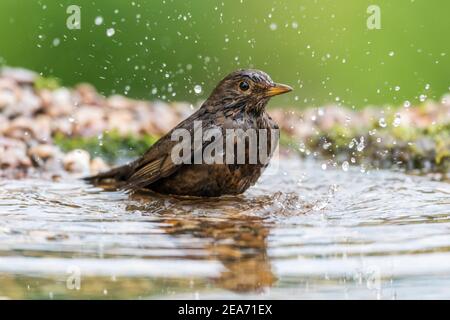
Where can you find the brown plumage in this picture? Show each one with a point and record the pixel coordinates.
(238, 102)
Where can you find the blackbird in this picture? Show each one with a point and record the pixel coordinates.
(237, 102)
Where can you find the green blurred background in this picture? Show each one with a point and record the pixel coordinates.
(161, 49)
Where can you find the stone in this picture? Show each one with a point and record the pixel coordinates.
(164, 118)
(77, 161)
(98, 165)
(26, 104)
(146, 125)
(118, 102)
(13, 154)
(89, 121)
(42, 128)
(88, 94)
(4, 124)
(21, 128)
(62, 125)
(44, 151)
(8, 93)
(19, 75)
(122, 121)
(62, 96)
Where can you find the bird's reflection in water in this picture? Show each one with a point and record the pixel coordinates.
(240, 243)
(231, 233)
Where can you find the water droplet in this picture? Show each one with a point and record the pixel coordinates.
(382, 123)
(391, 54)
(345, 165)
(110, 32)
(56, 42)
(302, 147)
(197, 89)
(397, 120)
(360, 147)
(273, 26)
(407, 104)
(100, 139)
(324, 166)
(98, 20)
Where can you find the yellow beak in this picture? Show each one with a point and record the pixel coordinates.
(277, 89)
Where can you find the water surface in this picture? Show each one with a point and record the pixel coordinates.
(301, 233)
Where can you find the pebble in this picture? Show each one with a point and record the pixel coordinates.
(88, 95)
(20, 75)
(44, 151)
(77, 161)
(98, 165)
(13, 154)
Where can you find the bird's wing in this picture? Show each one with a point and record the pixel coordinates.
(154, 165)
(157, 162)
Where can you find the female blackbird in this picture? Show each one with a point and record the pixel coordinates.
(238, 102)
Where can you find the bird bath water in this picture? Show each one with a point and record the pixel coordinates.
(326, 234)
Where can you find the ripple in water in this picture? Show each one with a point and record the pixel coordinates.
(335, 234)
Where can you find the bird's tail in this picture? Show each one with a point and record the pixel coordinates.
(116, 175)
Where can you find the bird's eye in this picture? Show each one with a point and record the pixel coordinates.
(244, 86)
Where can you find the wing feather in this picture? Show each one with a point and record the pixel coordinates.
(157, 162)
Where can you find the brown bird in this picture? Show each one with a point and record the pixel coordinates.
(237, 102)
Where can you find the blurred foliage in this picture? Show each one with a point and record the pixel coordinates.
(412, 148)
(161, 49)
(50, 83)
(111, 146)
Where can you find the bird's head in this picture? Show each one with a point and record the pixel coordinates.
(248, 89)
